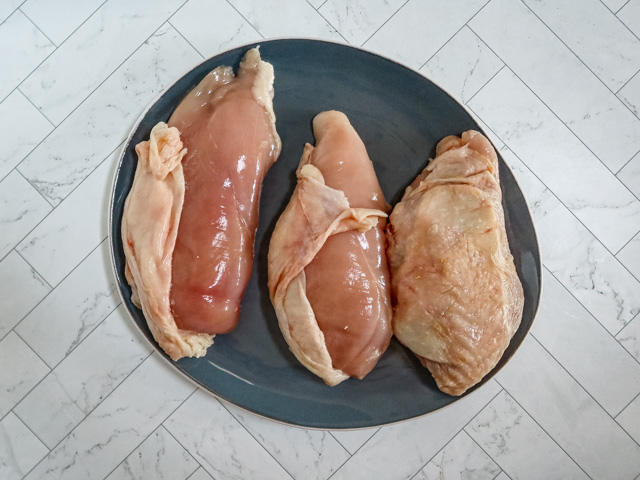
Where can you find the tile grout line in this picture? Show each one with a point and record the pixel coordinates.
(543, 429)
(626, 406)
(621, 184)
(32, 433)
(456, 33)
(463, 429)
(37, 27)
(185, 39)
(553, 112)
(330, 432)
(627, 83)
(88, 414)
(53, 207)
(245, 19)
(592, 315)
(34, 269)
(380, 27)
(575, 379)
(37, 109)
(626, 244)
(332, 26)
(618, 11)
(485, 84)
(256, 440)
(148, 436)
(595, 238)
(628, 162)
(56, 206)
(55, 49)
(12, 12)
(579, 58)
(46, 296)
(199, 465)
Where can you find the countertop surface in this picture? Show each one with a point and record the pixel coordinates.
(82, 395)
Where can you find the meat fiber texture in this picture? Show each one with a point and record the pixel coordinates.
(457, 297)
(197, 223)
(328, 275)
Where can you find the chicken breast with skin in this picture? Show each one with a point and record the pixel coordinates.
(228, 126)
(328, 274)
(457, 297)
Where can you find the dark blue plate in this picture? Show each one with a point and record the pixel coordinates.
(400, 116)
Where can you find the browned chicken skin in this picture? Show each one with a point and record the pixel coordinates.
(457, 297)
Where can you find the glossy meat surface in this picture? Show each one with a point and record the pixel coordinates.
(228, 126)
(149, 225)
(328, 274)
(457, 297)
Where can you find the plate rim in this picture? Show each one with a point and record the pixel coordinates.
(219, 397)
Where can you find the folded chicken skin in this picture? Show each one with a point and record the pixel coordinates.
(457, 297)
(190, 218)
(328, 275)
(227, 124)
(149, 226)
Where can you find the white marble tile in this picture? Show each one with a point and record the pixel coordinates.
(22, 288)
(629, 338)
(21, 208)
(460, 459)
(614, 5)
(518, 444)
(412, 444)
(502, 476)
(294, 18)
(630, 175)
(219, 442)
(84, 378)
(160, 457)
(305, 454)
(23, 48)
(103, 121)
(630, 94)
(74, 228)
(420, 29)
(559, 159)
(358, 20)
(352, 440)
(590, 272)
(463, 65)
(7, 7)
(22, 127)
(118, 425)
(629, 419)
(595, 35)
(95, 50)
(580, 344)
(630, 256)
(568, 414)
(21, 371)
(20, 450)
(630, 15)
(560, 79)
(200, 474)
(59, 19)
(213, 26)
(73, 309)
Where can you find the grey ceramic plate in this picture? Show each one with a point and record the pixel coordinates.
(400, 116)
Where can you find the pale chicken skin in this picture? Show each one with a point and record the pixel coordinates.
(228, 127)
(149, 226)
(328, 275)
(458, 300)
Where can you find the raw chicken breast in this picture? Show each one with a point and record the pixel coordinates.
(227, 124)
(457, 297)
(149, 225)
(328, 274)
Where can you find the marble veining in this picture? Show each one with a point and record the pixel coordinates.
(554, 84)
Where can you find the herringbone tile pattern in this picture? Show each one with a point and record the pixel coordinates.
(557, 84)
